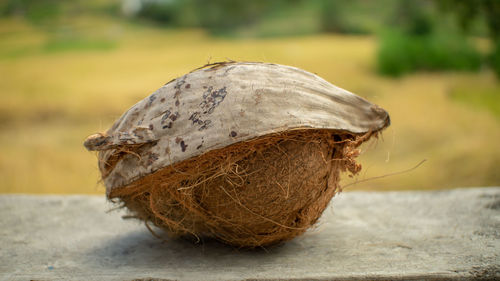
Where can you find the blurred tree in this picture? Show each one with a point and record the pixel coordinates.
(332, 16)
(160, 11)
(227, 15)
(414, 42)
(38, 11)
(336, 16)
(413, 17)
(468, 10)
(216, 15)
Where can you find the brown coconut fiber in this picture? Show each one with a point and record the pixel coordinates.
(249, 194)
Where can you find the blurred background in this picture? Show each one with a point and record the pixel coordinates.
(71, 68)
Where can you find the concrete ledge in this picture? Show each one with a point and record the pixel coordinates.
(438, 235)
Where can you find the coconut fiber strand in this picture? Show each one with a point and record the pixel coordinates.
(240, 178)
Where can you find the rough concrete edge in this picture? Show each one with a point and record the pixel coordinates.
(491, 272)
(486, 274)
(428, 277)
(347, 191)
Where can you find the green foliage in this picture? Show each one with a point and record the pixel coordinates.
(418, 42)
(268, 18)
(468, 10)
(37, 11)
(227, 15)
(334, 17)
(217, 16)
(401, 53)
(413, 17)
(163, 12)
(233, 17)
(495, 59)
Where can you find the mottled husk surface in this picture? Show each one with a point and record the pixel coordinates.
(250, 194)
(222, 104)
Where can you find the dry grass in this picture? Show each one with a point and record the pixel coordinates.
(50, 101)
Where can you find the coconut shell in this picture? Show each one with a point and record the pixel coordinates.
(222, 104)
(247, 153)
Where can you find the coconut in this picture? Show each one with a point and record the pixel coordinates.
(246, 153)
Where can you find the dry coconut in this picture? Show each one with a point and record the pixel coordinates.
(246, 153)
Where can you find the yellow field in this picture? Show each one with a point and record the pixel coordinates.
(50, 101)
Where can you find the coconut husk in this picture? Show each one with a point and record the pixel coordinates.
(250, 194)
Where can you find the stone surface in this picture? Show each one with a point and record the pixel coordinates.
(437, 235)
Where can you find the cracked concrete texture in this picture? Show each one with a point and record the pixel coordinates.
(434, 235)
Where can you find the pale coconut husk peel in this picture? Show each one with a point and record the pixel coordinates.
(255, 187)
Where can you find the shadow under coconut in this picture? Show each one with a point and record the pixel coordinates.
(141, 250)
